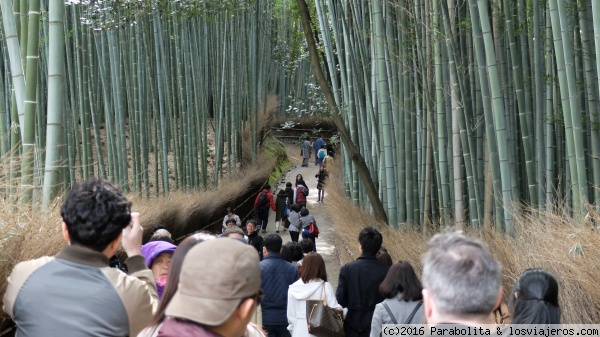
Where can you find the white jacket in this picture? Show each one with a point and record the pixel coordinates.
(298, 293)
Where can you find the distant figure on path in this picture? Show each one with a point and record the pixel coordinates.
(305, 220)
(263, 201)
(321, 176)
(306, 150)
(358, 286)
(231, 216)
(280, 204)
(76, 293)
(318, 144)
(254, 239)
(328, 160)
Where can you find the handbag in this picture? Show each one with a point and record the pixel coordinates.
(313, 229)
(322, 320)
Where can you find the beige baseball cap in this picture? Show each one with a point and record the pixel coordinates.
(215, 276)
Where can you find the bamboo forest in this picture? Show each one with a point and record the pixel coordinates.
(464, 111)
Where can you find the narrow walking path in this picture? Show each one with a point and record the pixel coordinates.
(325, 241)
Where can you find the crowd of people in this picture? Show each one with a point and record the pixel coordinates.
(212, 286)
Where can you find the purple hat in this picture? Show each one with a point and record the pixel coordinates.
(154, 248)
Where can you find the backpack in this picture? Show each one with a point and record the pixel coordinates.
(322, 153)
(263, 199)
(304, 190)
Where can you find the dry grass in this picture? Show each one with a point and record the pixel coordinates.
(549, 240)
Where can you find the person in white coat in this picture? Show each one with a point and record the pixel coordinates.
(403, 299)
(311, 285)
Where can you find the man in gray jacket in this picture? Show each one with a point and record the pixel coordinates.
(76, 293)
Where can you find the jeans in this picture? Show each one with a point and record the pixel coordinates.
(294, 236)
(277, 331)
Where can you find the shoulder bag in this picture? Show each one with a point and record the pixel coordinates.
(322, 320)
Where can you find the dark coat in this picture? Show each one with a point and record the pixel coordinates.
(257, 242)
(276, 276)
(358, 290)
(290, 195)
(280, 206)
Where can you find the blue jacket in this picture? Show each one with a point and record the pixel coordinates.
(276, 276)
(318, 143)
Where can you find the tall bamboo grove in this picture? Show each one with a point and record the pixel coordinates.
(154, 95)
(467, 110)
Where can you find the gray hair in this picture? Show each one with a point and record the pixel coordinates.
(233, 230)
(462, 277)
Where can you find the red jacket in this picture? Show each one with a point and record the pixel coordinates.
(269, 196)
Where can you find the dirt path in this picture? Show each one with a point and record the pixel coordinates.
(325, 241)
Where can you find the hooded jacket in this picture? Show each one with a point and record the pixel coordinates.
(298, 293)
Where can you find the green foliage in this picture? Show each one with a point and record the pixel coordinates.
(273, 148)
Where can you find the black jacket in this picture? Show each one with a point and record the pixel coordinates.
(257, 242)
(358, 290)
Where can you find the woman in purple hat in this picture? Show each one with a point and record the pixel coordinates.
(158, 258)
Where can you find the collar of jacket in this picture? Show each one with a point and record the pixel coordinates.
(175, 327)
(253, 235)
(81, 255)
(367, 256)
(273, 256)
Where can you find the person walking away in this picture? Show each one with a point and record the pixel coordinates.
(358, 285)
(289, 192)
(534, 298)
(219, 290)
(318, 144)
(321, 176)
(320, 155)
(276, 276)
(254, 239)
(76, 293)
(280, 205)
(311, 285)
(403, 302)
(263, 201)
(306, 150)
(294, 219)
(300, 194)
(231, 216)
(157, 255)
(305, 220)
(461, 281)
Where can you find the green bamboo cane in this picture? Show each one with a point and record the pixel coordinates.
(499, 119)
(56, 72)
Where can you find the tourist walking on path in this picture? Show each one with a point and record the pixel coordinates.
(76, 293)
(317, 145)
(276, 276)
(403, 302)
(358, 285)
(305, 220)
(231, 216)
(254, 239)
(263, 201)
(289, 192)
(306, 150)
(321, 176)
(311, 285)
(294, 220)
(280, 206)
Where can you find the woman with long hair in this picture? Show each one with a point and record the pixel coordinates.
(534, 298)
(403, 299)
(311, 285)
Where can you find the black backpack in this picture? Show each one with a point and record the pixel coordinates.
(263, 199)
